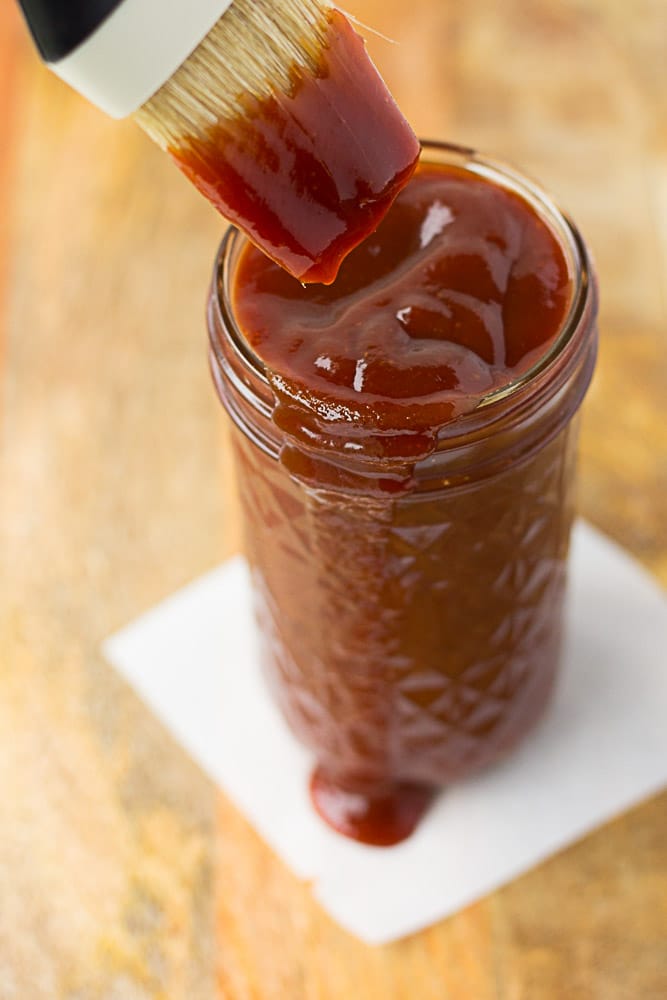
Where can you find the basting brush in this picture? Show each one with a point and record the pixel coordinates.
(272, 108)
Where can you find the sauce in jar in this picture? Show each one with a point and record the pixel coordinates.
(458, 291)
(405, 443)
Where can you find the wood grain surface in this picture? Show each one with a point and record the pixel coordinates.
(124, 874)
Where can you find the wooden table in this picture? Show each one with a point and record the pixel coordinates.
(124, 874)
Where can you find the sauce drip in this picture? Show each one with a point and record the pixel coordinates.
(309, 175)
(385, 816)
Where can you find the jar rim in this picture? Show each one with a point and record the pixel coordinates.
(494, 170)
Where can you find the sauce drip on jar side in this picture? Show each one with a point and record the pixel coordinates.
(309, 175)
(461, 289)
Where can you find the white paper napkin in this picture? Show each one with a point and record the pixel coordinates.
(601, 748)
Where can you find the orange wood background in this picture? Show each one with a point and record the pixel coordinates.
(124, 874)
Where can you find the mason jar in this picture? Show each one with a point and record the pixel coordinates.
(412, 639)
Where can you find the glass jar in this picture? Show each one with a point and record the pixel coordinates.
(410, 640)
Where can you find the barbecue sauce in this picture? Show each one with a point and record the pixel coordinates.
(309, 175)
(412, 602)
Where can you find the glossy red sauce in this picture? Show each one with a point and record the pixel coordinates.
(408, 642)
(308, 176)
(382, 817)
(458, 292)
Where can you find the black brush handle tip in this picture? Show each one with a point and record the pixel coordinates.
(59, 26)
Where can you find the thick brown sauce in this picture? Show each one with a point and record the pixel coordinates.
(461, 289)
(384, 816)
(308, 176)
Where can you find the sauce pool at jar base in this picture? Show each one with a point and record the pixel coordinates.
(461, 289)
(382, 818)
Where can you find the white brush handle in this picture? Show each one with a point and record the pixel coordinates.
(136, 49)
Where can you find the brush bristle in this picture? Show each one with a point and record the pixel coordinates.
(251, 51)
